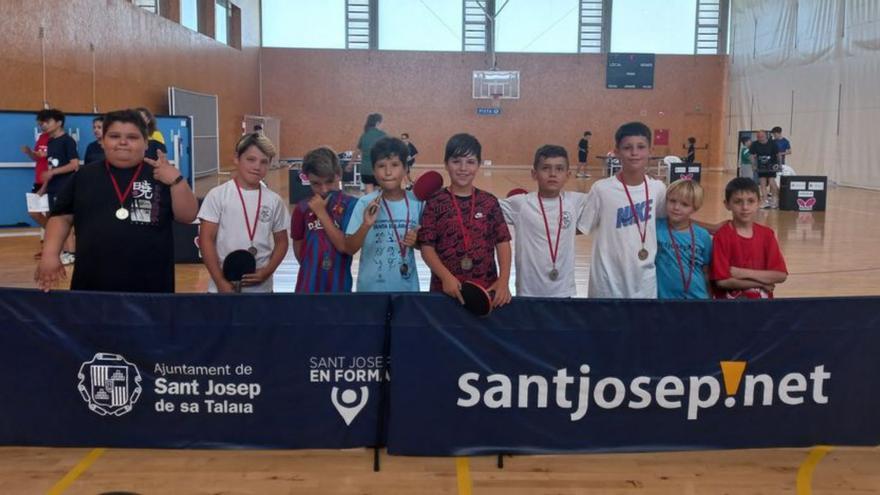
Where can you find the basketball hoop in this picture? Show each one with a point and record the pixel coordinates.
(496, 100)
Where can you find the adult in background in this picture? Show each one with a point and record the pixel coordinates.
(765, 159)
(372, 133)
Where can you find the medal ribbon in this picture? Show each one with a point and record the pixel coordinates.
(394, 227)
(465, 233)
(685, 281)
(632, 206)
(119, 194)
(553, 251)
(251, 233)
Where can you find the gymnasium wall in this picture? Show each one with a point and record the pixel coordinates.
(811, 67)
(137, 56)
(324, 96)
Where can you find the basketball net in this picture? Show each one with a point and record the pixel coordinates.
(496, 100)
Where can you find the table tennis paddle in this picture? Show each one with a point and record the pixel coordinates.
(476, 299)
(427, 184)
(516, 192)
(236, 265)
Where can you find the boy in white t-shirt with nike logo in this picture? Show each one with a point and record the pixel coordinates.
(620, 215)
(545, 224)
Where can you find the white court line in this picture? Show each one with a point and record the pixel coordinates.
(21, 234)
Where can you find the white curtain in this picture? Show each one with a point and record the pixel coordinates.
(811, 67)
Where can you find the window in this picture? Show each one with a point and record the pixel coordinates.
(189, 14)
(221, 21)
(304, 23)
(592, 18)
(548, 26)
(475, 26)
(653, 26)
(429, 25)
(148, 5)
(360, 27)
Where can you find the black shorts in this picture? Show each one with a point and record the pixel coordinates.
(369, 179)
(582, 158)
(766, 175)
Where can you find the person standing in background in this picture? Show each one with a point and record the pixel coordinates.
(583, 155)
(371, 134)
(155, 139)
(411, 161)
(95, 151)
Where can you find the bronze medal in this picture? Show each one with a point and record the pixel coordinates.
(252, 250)
(404, 270)
(467, 263)
(326, 263)
(554, 274)
(643, 254)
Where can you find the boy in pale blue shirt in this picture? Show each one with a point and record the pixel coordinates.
(684, 249)
(384, 225)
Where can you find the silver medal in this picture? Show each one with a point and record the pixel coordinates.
(554, 274)
(122, 214)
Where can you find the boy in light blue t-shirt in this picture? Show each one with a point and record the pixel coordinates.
(684, 249)
(384, 225)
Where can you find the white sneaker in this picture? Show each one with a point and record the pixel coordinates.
(67, 258)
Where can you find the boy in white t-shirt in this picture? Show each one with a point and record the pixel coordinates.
(545, 224)
(620, 214)
(245, 214)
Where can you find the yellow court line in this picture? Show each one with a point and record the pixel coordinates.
(805, 473)
(76, 472)
(463, 472)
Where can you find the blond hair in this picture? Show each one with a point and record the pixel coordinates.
(688, 190)
(262, 143)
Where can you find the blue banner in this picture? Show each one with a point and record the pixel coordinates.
(544, 376)
(127, 370)
(537, 376)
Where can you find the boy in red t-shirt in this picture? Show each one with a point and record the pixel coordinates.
(746, 260)
(41, 164)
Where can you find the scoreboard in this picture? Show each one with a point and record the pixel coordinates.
(630, 71)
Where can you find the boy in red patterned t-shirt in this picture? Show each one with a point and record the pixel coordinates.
(463, 227)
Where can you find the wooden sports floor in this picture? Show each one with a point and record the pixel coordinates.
(828, 254)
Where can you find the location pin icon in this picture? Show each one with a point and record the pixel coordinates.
(348, 406)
